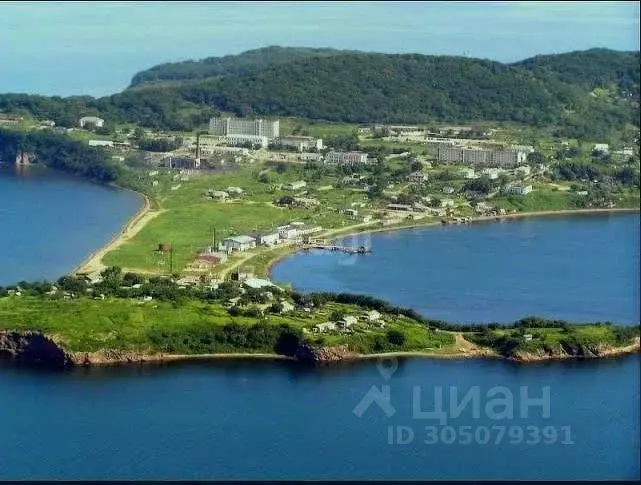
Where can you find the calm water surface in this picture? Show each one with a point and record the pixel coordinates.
(50, 222)
(269, 420)
(580, 268)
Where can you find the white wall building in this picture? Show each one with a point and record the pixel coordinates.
(287, 232)
(240, 140)
(301, 143)
(101, 143)
(236, 126)
(349, 158)
(94, 120)
(479, 157)
(519, 189)
(239, 243)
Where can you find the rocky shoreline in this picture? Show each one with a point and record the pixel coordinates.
(39, 350)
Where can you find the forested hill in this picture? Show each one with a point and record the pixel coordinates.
(585, 94)
(231, 65)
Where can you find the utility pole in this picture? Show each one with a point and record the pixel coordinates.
(171, 259)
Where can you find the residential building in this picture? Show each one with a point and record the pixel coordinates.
(523, 170)
(267, 238)
(300, 143)
(101, 143)
(236, 126)
(522, 148)
(481, 157)
(325, 327)
(218, 194)
(257, 283)
(373, 315)
(296, 185)
(417, 177)
(347, 158)
(348, 321)
(447, 203)
(239, 243)
(235, 190)
(286, 306)
(518, 189)
(92, 120)
(448, 190)
(310, 157)
(492, 173)
(601, 148)
(287, 232)
(468, 173)
(399, 207)
(241, 140)
(350, 212)
(9, 120)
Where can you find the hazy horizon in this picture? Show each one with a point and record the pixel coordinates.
(82, 48)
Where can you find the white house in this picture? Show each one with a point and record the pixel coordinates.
(325, 327)
(601, 148)
(296, 185)
(519, 189)
(492, 173)
(257, 283)
(373, 315)
(267, 238)
(348, 321)
(448, 190)
(239, 243)
(287, 232)
(101, 143)
(235, 190)
(447, 203)
(218, 194)
(467, 173)
(93, 120)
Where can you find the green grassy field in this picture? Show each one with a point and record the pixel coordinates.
(87, 325)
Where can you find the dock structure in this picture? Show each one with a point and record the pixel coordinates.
(344, 249)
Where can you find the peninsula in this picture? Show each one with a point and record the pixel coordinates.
(232, 182)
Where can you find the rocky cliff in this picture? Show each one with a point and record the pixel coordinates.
(574, 352)
(34, 348)
(323, 355)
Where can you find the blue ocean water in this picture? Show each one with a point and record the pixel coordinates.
(582, 268)
(50, 222)
(271, 420)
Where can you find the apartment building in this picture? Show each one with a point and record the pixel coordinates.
(346, 158)
(300, 143)
(242, 140)
(479, 157)
(236, 126)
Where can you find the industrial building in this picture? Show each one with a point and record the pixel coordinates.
(236, 126)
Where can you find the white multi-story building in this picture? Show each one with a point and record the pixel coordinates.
(479, 157)
(240, 140)
(301, 143)
(236, 126)
(347, 158)
(93, 120)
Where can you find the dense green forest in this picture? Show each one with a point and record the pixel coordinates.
(325, 84)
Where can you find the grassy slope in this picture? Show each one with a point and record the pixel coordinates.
(88, 325)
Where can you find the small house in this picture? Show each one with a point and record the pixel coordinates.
(257, 283)
(325, 327)
(235, 190)
(239, 243)
(218, 194)
(373, 315)
(448, 190)
(296, 185)
(348, 321)
(287, 232)
(418, 177)
(266, 238)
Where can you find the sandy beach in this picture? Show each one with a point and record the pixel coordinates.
(129, 230)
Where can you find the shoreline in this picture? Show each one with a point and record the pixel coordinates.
(89, 360)
(474, 220)
(129, 229)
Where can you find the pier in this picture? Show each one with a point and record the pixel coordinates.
(344, 249)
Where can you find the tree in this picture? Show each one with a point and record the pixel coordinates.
(396, 337)
(264, 178)
(535, 158)
(337, 315)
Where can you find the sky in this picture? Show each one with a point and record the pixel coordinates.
(95, 48)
